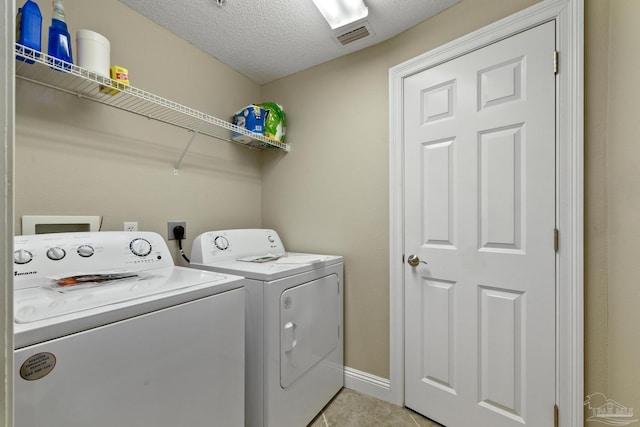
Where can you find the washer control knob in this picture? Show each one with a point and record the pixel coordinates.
(22, 257)
(140, 247)
(56, 254)
(85, 251)
(221, 243)
(271, 239)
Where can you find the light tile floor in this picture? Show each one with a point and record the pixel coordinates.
(353, 409)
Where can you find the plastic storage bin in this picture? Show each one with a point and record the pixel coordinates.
(93, 52)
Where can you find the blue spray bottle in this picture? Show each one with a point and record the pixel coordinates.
(59, 39)
(29, 28)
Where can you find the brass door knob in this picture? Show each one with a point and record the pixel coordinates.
(413, 261)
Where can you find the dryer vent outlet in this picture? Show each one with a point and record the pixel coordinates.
(171, 225)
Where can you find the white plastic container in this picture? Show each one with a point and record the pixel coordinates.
(94, 52)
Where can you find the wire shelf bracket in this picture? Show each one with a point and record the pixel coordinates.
(176, 167)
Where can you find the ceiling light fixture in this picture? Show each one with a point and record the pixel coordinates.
(339, 13)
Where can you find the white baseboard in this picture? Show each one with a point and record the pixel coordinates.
(364, 382)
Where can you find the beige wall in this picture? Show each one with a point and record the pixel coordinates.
(331, 193)
(623, 202)
(612, 179)
(78, 157)
(597, 17)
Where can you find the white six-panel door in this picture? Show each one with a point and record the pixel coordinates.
(479, 146)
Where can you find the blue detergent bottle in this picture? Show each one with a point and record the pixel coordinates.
(59, 38)
(29, 28)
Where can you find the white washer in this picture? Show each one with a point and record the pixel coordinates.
(162, 348)
(294, 332)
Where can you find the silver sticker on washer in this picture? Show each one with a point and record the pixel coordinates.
(37, 366)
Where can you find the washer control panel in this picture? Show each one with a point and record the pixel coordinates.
(50, 255)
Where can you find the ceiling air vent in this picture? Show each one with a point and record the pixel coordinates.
(354, 34)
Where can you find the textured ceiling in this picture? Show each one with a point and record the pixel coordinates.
(269, 39)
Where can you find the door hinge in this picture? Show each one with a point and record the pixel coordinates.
(555, 415)
(555, 62)
(556, 239)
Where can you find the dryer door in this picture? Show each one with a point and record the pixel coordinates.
(309, 328)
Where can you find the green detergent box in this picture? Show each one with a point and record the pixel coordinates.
(250, 118)
(275, 122)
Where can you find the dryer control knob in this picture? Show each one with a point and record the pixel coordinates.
(271, 239)
(22, 257)
(221, 243)
(56, 254)
(140, 247)
(85, 251)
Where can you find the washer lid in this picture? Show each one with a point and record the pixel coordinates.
(86, 309)
(286, 265)
(47, 300)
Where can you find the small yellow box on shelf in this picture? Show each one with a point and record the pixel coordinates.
(120, 76)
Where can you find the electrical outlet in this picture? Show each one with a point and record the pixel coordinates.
(172, 224)
(131, 226)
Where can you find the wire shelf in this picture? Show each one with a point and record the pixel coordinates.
(69, 78)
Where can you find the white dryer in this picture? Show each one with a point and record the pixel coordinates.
(108, 332)
(294, 323)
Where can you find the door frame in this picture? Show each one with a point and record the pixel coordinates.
(7, 112)
(568, 16)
